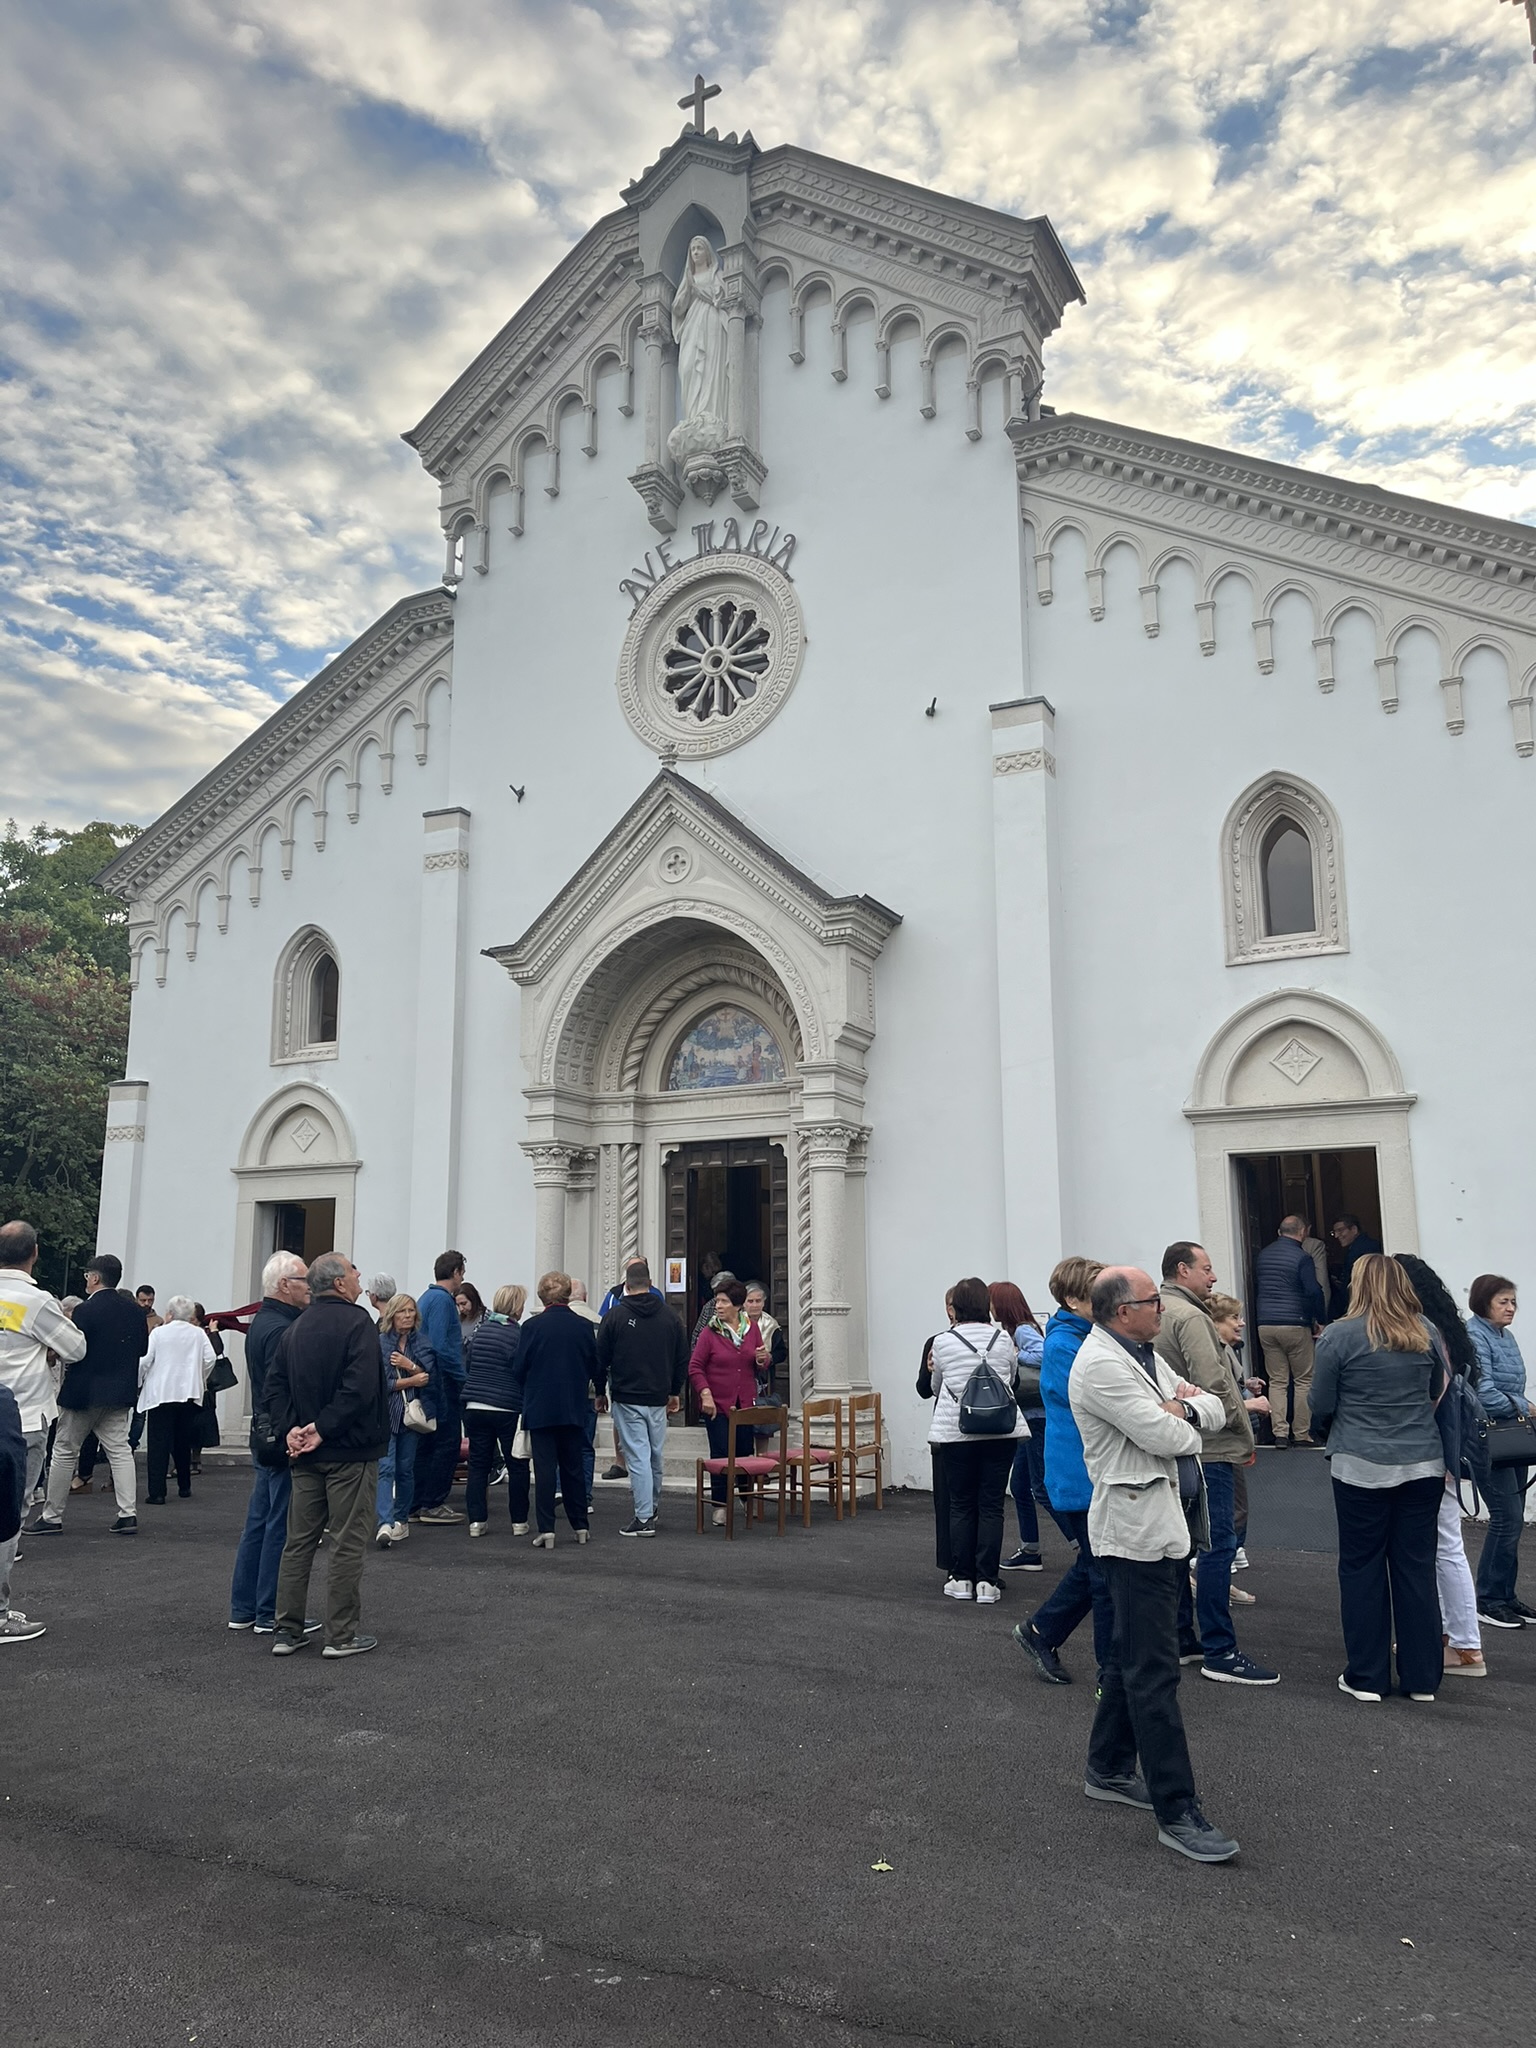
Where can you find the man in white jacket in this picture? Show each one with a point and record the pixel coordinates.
(1140, 1424)
(31, 1325)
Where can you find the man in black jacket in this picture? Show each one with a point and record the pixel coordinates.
(1288, 1310)
(13, 1468)
(642, 1363)
(99, 1393)
(253, 1590)
(325, 1388)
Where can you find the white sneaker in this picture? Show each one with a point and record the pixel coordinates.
(478, 1528)
(384, 1534)
(399, 1531)
(519, 1528)
(718, 1518)
(582, 1535)
(987, 1595)
(1240, 1560)
(1356, 1692)
(957, 1589)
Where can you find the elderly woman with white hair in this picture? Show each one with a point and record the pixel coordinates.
(172, 1381)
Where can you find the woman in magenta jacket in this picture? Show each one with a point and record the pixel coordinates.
(723, 1373)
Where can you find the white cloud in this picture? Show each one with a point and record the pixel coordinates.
(249, 242)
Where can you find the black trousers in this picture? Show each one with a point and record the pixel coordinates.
(173, 1432)
(490, 1432)
(562, 1450)
(977, 1472)
(1138, 1714)
(940, 1506)
(1387, 1584)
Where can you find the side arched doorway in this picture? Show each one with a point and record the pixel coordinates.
(1299, 1106)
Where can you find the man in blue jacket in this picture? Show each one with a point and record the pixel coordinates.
(1288, 1312)
(437, 1456)
(1082, 1587)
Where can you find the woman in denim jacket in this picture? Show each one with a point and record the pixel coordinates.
(410, 1367)
(1501, 1389)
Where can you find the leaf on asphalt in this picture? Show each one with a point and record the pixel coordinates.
(882, 1865)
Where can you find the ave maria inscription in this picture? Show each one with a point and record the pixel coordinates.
(762, 541)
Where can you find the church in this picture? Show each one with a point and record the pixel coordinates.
(842, 818)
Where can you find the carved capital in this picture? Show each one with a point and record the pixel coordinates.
(744, 472)
(828, 1145)
(581, 1179)
(551, 1164)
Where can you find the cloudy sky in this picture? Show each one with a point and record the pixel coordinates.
(247, 242)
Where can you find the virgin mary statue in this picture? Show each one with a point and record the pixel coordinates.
(698, 327)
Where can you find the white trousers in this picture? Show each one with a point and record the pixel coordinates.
(1453, 1577)
(75, 1425)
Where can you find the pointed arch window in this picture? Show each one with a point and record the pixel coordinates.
(1283, 870)
(307, 1000)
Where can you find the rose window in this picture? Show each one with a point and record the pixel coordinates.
(718, 655)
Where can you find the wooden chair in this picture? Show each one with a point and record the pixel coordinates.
(758, 1467)
(862, 1447)
(808, 1461)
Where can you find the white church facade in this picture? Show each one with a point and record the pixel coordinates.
(839, 817)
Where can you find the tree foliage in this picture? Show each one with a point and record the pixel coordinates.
(63, 1034)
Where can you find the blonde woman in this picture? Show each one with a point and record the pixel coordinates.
(1373, 1392)
(491, 1411)
(173, 1378)
(410, 1368)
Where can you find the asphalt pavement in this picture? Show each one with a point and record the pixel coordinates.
(776, 1790)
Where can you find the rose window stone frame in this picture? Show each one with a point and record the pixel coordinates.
(710, 656)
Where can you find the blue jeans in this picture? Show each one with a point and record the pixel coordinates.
(1027, 1485)
(1213, 1567)
(1081, 1589)
(253, 1591)
(1500, 1561)
(642, 1434)
(397, 1477)
(437, 1462)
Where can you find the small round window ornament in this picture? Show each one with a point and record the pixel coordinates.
(710, 656)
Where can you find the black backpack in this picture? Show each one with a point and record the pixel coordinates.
(987, 1405)
(1463, 1424)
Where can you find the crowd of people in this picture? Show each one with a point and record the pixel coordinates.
(1130, 1420)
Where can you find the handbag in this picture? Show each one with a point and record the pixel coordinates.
(416, 1417)
(522, 1442)
(222, 1378)
(1511, 1441)
(987, 1406)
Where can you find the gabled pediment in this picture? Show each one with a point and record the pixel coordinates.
(721, 861)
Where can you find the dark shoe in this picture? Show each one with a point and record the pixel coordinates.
(1190, 1652)
(1237, 1670)
(639, 1528)
(1045, 1660)
(183, 1493)
(43, 1527)
(125, 1525)
(1193, 1836)
(241, 1626)
(355, 1648)
(1498, 1615)
(1525, 1613)
(1023, 1560)
(154, 1500)
(284, 1646)
(1129, 1791)
(615, 1472)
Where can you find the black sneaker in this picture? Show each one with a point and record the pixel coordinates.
(1190, 1652)
(1045, 1660)
(125, 1525)
(615, 1472)
(1024, 1560)
(639, 1528)
(1498, 1615)
(1237, 1670)
(356, 1647)
(284, 1646)
(1525, 1613)
(1127, 1791)
(1192, 1835)
(43, 1527)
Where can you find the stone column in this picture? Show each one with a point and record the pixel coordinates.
(1026, 879)
(655, 479)
(551, 1179)
(580, 1246)
(122, 1173)
(439, 1072)
(826, 1147)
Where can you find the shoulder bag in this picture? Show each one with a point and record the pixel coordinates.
(987, 1405)
(1511, 1441)
(416, 1419)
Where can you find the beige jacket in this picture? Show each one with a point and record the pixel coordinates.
(1188, 1342)
(1132, 1449)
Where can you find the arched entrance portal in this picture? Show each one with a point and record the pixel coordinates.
(696, 1014)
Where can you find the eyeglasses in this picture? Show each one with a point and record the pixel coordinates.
(1144, 1301)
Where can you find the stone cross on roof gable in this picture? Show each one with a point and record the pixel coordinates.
(695, 99)
(1530, 15)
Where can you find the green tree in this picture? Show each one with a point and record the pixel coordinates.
(63, 1034)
